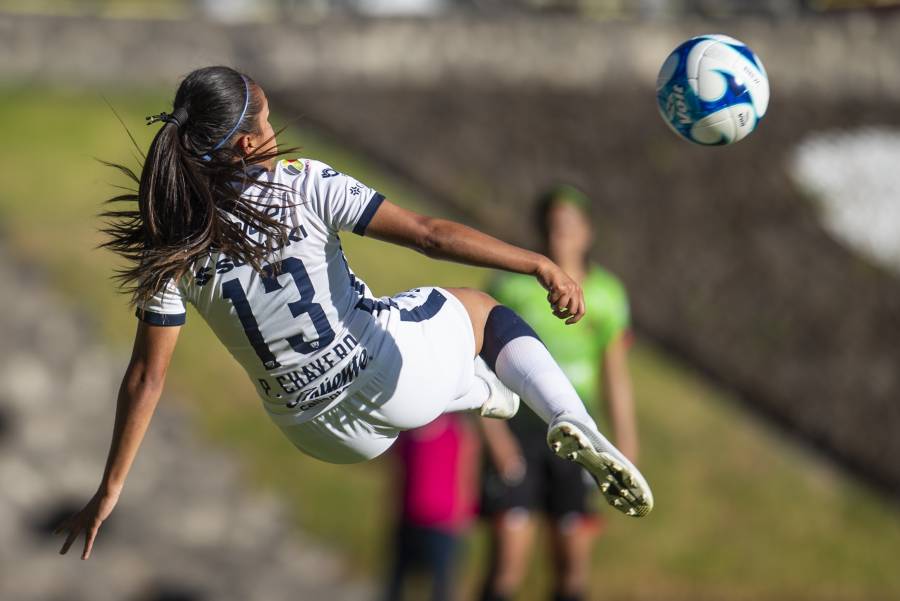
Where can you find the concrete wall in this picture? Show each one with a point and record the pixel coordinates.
(846, 57)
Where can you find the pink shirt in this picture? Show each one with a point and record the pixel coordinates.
(438, 473)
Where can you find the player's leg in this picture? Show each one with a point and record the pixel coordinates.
(401, 563)
(488, 395)
(511, 503)
(574, 526)
(514, 352)
(572, 539)
(442, 552)
(511, 538)
(472, 400)
(512, 349)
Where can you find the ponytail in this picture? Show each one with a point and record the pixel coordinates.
(190, 188)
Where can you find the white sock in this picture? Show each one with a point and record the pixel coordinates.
(472, 400)
(524, 364)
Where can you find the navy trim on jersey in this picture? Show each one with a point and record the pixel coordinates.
(161, 319)
(426, 310)
(370, 305)
(368, 213)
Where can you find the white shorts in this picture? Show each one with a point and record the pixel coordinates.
(422, 359)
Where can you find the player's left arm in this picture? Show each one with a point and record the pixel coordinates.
(444, 239)
(139, 394)
(619, 395)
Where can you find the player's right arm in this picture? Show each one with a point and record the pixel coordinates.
(444, 239)
(503, 450)
(139, 394)
(619, 396)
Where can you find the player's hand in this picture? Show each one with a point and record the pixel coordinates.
(504, 451)
(88, 520)
(565, 295)
(508, 461)
(506, 455)
(512, 469)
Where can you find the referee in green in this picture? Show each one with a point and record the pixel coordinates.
(523, 479)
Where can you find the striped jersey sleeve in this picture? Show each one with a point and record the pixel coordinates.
(165, 308)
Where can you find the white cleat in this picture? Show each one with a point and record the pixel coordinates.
(502, 403)
(619, 480)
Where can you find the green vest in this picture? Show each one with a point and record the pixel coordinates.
(578, 348)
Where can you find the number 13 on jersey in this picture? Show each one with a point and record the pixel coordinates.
(323, 334)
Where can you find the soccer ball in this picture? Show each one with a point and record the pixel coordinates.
(712, 90)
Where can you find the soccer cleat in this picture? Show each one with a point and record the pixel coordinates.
(619, 480)
(502, 403)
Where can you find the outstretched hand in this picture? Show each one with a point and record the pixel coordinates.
(565, 295)
(88, 520)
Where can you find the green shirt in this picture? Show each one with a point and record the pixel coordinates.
(578, 348)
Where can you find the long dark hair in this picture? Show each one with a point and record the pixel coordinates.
(191, 186)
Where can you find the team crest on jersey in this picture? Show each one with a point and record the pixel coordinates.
(293, 166)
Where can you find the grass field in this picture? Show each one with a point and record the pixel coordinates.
(741, 513)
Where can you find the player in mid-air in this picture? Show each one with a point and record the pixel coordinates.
(252, 243)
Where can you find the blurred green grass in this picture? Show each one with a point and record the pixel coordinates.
(741, 512)
(157, 9)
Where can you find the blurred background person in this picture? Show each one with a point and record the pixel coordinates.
(523, 477)
(436, 504)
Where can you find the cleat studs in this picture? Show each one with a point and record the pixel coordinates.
(617, 502)
(572, 456)
(632, 512)
(566, 429)
(556, 446)
(604, 487)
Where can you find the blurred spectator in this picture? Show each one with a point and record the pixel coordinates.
(437, 502)
(522, 476)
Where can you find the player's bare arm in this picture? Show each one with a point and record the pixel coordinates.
(619, 396)
(503, 450)
(444, 239)
(139, 394)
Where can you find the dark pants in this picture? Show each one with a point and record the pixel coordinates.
(418, 549)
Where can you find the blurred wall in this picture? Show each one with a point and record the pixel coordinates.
(726, 260)
(851, 56)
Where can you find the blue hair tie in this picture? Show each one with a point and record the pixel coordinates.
(208, 156)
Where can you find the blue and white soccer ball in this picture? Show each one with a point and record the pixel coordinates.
(712, 90)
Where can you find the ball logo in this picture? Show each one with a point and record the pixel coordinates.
(676, 106)
(751, 74)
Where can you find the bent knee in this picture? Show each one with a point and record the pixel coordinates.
(478, 306)
(472, 297)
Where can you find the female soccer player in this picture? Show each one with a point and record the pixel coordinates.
(252, 242)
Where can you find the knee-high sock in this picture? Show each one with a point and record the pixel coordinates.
(472, 400)
(521, 361)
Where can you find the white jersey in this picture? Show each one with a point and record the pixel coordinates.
(298, 329)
